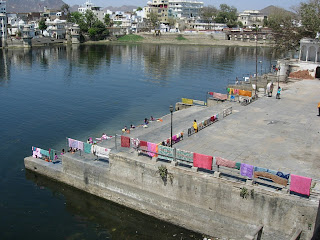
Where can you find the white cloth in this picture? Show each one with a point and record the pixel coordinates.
(102, 152)
(135, 142)
(37, 153)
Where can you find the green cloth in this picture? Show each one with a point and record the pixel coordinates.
(52, 154)
(238, 165)
(87, 147)
(165, 152)
(44, 152)
(228, 89)
(184, 155)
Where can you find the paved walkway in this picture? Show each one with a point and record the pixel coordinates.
(277, 134)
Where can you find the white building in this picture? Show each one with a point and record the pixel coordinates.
(184, 8)
(56, 29)
(90, 6)
(3, 22)
(251, 18)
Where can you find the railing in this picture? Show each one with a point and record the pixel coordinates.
(256, 235)
(227, 112)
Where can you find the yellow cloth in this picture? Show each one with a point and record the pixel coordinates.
(187, 101)
(319, 105)
(195, 126)
(231, 90)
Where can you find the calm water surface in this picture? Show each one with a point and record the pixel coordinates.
(48, 94)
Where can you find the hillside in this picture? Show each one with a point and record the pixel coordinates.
(273, 9)
(32, 5)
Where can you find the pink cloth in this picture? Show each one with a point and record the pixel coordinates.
(152, 149)
(300, 184)
(202, 161)
(174, 138)
(125, 141)
(220, 96)
(225, 163)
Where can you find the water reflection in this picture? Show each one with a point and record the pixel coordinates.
(111, 220)
(156, 63)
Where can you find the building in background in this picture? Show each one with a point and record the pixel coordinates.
(3, 23)
(185, 9)
(251, 18)
(96, 10)
(158, 7)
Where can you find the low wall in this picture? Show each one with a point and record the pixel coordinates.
(195, 200)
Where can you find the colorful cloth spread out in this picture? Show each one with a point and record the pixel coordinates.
(272, 171)
(220, 96)
(143, 145)
(125, 141)
(87, 147)
(184, 155)
(300, 184)
(102, 152)
(165, 153)
(225, 163)
(210, 93)
(260, 169)
(80, 145)
(44, 152)
(52, 153)
(238, 165)
(202, 161)
(174, 138)
(135, 142)
(152, 149)
(283, 175)
(36, 152)
(187, 101)
(245, 93)
(246, 170)
(274, 178)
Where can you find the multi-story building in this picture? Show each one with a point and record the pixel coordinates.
(3, 22)
(158, 7)
(251, 18)
(184, 9)
(90, 6)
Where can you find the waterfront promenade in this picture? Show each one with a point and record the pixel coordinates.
(277, 134)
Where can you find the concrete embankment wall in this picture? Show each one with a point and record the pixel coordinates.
(195, 200)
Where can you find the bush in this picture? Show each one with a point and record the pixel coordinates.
(130, 38)
(180, 37)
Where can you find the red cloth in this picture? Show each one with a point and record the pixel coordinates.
(225, 163)
(211, 93)
(300, 184)
(125, 141)
(220, 96)
(143, 145)
(212, 119)
(202, 161)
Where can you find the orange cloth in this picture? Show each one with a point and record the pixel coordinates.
(318, 104)
(245, 93)
(274, 178)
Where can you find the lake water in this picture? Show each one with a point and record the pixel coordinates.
(48, 94)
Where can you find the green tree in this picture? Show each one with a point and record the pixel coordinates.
(107, 20)
(171, 21)
(98, 30)
(90, 18)
(42, 25)
(153, 16)
(286, 31)
(209, 13)
(228, 15)
(79, 19)
(139, 9)
(310, 18)
(65, 8)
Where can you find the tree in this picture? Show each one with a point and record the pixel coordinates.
(153, 16)
(286, 31)
(310, 17)
(90, 18)
(228, 15)
(209, 13)
(107, 20)
(171, 21)
(98, 30)
(139, 9)
(79, 19)
(42, 25)
(65, 8)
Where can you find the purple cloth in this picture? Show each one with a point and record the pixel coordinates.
(246, 170)
(80, 145)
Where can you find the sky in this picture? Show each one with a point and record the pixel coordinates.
(239, 4)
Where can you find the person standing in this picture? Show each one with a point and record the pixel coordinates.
(195, 125)
(278, 93)
(319, 108)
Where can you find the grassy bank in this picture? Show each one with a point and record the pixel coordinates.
(130, 38)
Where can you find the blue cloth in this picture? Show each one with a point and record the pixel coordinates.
(282, 175)
(259, 169)
(87, 148)
(272, 172)
(44, 152)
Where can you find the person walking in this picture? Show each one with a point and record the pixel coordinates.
(278, 93)
(319, 108)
